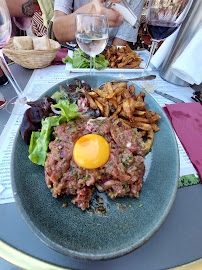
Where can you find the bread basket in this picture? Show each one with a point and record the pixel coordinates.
(32, 59)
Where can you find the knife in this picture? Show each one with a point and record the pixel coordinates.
(72, 48)
(174, 99)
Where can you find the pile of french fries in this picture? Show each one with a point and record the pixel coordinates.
(117, 100)
(123, 57)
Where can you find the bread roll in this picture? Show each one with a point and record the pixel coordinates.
(41, 43)
(23, 43)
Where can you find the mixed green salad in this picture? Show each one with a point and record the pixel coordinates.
(81, 60)
(45, 114)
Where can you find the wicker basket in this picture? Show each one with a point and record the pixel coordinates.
(32, 58)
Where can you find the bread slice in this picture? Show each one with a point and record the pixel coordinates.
(41, 43)
(23, 43)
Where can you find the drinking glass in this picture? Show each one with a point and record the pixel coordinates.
(5, 33)
(92, 33)
(163, 18)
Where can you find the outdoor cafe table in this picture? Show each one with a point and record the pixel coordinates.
(177, 242)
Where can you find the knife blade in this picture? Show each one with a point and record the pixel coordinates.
(174, 99)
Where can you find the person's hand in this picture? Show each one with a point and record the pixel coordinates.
(115, 18)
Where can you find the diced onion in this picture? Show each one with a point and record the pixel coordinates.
(55, 110)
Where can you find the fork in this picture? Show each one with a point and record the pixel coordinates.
(144, 78)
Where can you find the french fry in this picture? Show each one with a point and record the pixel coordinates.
(106, 109)
(114, 103)
(110, 95)
(128, 107)
(154, 118)
(120, 85)
(100, 106)
(139, 113)
(92, 94)
(139, 119)
(101, 93)
(118, 90)
(118, 110)
(155, 127)
(109, 87)
(141, 96)
(149, 141)
(139, 125)
(92, 103)
(132, 90)
(119, 98)
(139, 105)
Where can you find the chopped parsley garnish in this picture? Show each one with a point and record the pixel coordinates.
(74, 187)
(120, 134)
(140, 205)
(125, 163)
(128, 158)
(125, 185)
(135, 130)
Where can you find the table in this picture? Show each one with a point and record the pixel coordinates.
(177, 242)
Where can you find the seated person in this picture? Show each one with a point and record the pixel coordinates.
(120, 32)
(21, 12)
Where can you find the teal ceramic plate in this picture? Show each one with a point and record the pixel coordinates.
(128, 223)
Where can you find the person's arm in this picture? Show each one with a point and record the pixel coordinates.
(20, 8)
(63, 24)
(119, 42)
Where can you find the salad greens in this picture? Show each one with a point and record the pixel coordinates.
(40, 140)
(59, 95)
(79, 60)
(68, 111)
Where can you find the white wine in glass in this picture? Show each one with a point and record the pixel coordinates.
(92, 33)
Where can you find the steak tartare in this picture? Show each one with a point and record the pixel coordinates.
(120, 176)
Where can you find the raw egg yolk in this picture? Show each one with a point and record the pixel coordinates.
(91, 151)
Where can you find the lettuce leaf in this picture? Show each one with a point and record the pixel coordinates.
(81, 60)
(40, 140)
(100, 62)
(69, 111)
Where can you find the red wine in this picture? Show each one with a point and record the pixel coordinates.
(159, 30)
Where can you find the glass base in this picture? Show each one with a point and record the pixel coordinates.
(17, 106)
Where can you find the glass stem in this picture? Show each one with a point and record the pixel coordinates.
(90, 65)
(94, 64)
(10, 77)
(152, 50)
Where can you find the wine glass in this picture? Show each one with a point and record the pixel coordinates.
(163, 18)
(5, 33)
(92, 33)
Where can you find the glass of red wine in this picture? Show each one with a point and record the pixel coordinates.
(163, 18)
(5, 33)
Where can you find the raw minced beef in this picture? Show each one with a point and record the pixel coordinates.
(122, 174)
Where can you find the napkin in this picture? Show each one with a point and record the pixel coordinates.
(188, 66)
(186, 119)
(62, 53)
(164, 49)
